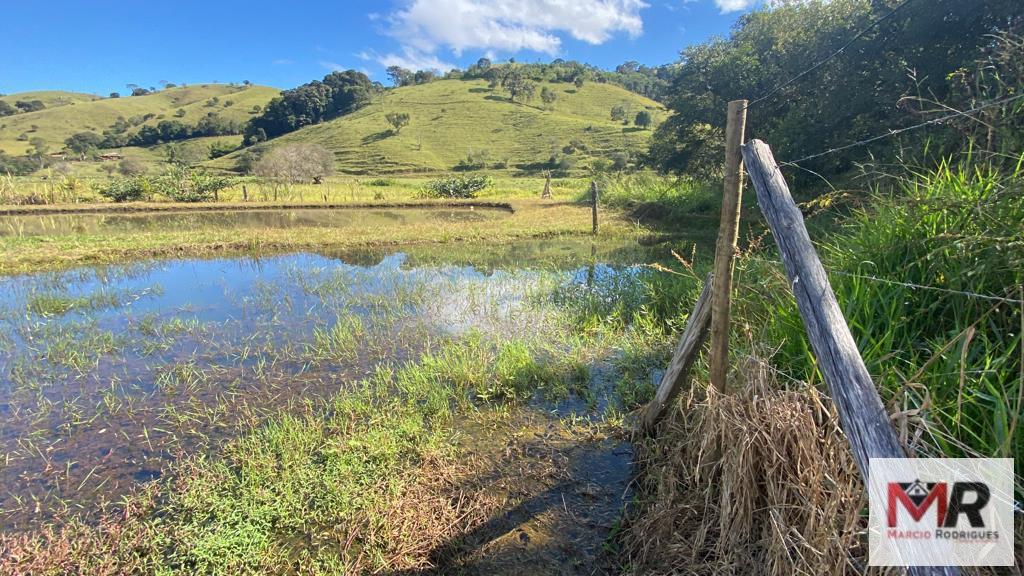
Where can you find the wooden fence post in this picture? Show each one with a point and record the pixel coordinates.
(725, 249)
(593, 202)
(677, 375)
(861, 412)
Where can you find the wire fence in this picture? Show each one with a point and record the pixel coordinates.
(901, 283)
(887, 134)
(831, 56)
(895, 131)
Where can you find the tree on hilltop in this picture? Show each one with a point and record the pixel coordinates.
(399, 76)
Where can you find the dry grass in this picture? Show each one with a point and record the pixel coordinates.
(760, 482)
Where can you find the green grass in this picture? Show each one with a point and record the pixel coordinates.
(80, 114)
(333, 489)
(956, 357)
(50, 98)
(530, 218)
(453, 118)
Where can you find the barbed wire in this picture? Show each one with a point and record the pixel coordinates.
(914, 286)
(841, 49)
(895, 131)
(910, 285)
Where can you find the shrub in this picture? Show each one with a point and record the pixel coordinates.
(221, 148)
(380, 182)
(131, 167)
(620, 160)
(183, 184)
(128, 189)
(456, 186)
(474, 160)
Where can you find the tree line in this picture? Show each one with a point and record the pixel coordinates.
(311, 103)
(918, 63)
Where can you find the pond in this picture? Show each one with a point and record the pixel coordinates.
(115, 223)
(109, 374)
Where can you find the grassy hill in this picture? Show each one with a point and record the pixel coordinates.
(67, 113)
(50, 98)
(450, 119)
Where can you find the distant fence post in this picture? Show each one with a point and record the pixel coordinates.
(677, 375)
(861, 412)
(593, 204)
(725, 249)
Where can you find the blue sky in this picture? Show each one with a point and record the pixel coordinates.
(99, 46)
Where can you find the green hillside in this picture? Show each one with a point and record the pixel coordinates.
(84, 113)
(450, 119)
(50, 98)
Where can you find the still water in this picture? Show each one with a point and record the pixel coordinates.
(109, 374)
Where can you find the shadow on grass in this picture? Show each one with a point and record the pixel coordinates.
(378, 136)
(563, 498)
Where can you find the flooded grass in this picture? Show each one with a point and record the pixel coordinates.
(117, 238)
(198, 380)
(455, 404)
(21, 225)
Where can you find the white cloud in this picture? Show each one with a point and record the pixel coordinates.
(333, 66)
(423, 27)
(734, 5)
(408, 58)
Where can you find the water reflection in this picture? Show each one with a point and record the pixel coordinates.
(108, 374)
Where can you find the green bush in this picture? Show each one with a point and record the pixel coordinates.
(128, 189)
(383, 182)
(456, 186)
(183, 184)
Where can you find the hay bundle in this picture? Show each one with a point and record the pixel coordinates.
(759, 482)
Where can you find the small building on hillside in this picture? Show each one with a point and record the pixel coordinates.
(109, 156)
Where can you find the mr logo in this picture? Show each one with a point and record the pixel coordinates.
(956, 512)
(965, 498)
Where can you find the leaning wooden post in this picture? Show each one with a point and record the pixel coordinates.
(593, 204)
(861, 412)
(678, 373)
(725, 249)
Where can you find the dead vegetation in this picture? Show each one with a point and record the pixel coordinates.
(760, 482)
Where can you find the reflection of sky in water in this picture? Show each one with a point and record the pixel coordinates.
(243, 329)
(283, 298)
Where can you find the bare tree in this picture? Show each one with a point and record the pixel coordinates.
(295, 164)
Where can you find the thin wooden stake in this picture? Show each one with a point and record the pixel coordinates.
(593, 203)
(678, 373)
(725, 249)
(861, 412)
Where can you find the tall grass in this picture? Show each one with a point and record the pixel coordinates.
(648, 195)
(946, 358)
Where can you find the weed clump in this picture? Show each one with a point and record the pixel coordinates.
(128, 189)
(456, 186)
(760, 482)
